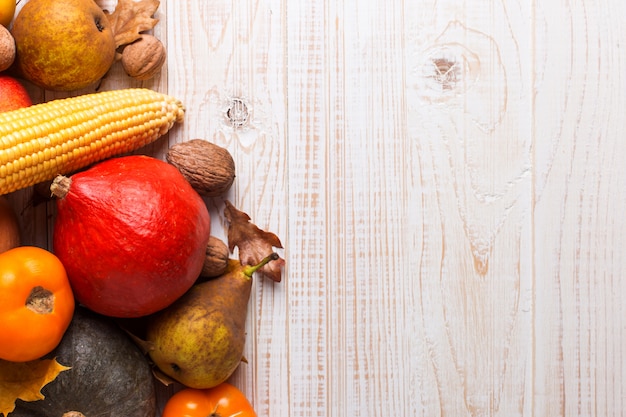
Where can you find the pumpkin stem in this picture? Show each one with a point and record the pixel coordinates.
(73, 414)
(60, 187)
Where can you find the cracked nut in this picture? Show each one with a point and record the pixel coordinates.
(143, 58)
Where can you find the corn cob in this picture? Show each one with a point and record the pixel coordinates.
(39, 142)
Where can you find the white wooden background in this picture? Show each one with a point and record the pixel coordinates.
(447, 178)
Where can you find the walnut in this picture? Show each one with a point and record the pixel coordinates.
(216, 260)
(7, 48)
(143, 58)
(208, 167)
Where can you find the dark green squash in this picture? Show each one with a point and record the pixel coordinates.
(109, 375)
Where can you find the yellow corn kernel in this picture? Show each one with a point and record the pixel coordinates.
(39, 142)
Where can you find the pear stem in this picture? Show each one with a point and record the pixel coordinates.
(251, 269)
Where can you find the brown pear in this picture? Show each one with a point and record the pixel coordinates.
(199, 340)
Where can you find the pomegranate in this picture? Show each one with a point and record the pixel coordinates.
(131, 233)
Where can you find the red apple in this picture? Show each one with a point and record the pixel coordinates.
(13, 94)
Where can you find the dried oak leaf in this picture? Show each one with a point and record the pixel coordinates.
(130, 18)
(24, 380)
(254, 244)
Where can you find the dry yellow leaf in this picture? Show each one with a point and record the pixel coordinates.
(130, 18)
(24, 380)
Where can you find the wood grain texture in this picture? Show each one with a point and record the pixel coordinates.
(468, 99)
(578, 223)
(446, 179)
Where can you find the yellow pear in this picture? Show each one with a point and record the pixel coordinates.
(63, 45)
(199, 340)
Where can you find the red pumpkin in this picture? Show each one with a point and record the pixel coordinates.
(131, 233)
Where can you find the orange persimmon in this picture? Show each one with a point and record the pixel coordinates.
(36, 303)
(224, 400)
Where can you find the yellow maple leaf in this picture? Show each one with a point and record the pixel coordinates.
(24, 380)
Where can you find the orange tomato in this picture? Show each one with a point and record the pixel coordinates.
(36, 303)
(224, 400)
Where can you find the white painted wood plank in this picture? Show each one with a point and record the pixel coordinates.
(579, 224)
(346, 166)
(468, 100)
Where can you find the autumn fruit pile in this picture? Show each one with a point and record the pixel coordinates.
(66, 45)
(136, 289)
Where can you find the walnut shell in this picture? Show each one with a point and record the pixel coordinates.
(209, 168)
(216, 260)
(7, 48)
(143, 58)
